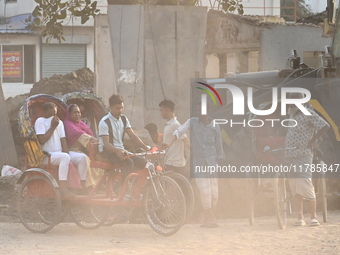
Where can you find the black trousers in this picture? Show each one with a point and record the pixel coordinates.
(129, 165)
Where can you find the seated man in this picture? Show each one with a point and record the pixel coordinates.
(51, 135)
(112, 128)
(152, 129)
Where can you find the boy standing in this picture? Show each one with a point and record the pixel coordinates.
(174, 159)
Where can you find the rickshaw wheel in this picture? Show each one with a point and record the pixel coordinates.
(280, 197)
(39, 204)
(250, 200)
(187, 190)
(114, 216)
(323, 195)
(65, 208)
(164, 205)
(89, 216)
(63, 213)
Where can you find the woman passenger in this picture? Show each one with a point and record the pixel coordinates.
(78, 135)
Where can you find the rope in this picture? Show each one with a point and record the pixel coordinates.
(120, 38)
(154, 49)
(134, 89)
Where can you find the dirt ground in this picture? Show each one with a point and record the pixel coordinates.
(233, 236)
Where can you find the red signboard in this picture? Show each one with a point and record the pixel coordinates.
(11, 64)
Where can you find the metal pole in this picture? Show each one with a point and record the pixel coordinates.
(264, 7)
(295, 10)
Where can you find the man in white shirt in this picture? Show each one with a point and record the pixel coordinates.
(51, 135)
(174, 159)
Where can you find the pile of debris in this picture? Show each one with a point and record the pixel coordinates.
(8, 198)
(315, 19)
(81, 80)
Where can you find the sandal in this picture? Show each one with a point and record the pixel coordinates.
(314, 223)
(300, 222)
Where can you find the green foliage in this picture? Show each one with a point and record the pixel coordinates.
(48, 15)
(303, 10)
(230, 6)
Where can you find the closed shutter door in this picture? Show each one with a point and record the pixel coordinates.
(62, 58)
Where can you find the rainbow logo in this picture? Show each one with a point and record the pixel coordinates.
(209, 93)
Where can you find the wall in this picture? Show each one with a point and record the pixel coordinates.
(231, 37)
(277, 42)
(212, 66)
(13, 89)
(8, 154)
(80, 35)
(250, 45)
(104, 68)
(128, 52)
(228, 33)
(156, 49)
(13, 9)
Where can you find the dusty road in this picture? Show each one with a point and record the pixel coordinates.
(233, 237)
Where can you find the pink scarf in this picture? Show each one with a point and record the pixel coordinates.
(73, 129)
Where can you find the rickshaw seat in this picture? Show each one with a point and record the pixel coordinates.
(34, 155)
(47, 167)
(98, 161)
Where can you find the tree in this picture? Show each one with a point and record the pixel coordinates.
(49, 15)
(229, 6)
(290, 13)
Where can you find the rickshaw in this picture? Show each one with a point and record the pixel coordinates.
(94, 109)
(268, 146)
(41, 207)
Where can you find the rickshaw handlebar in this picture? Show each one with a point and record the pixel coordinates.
(146, 153)
(268, 150)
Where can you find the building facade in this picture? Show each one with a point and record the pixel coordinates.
(239, 44)
(26, 57)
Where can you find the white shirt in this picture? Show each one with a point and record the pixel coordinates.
(42, 125)
(175, 154)
(117, 130)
